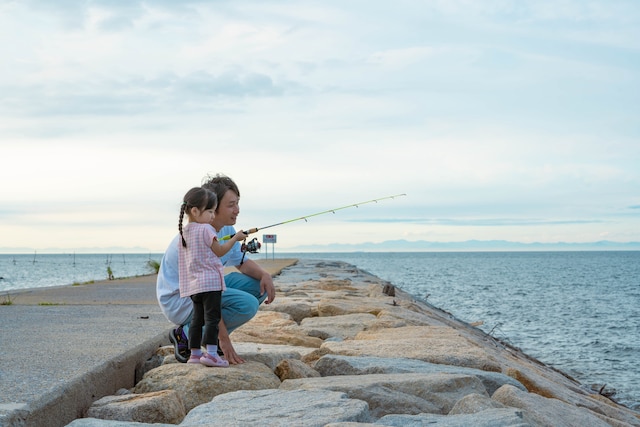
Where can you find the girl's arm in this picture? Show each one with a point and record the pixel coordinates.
(222, 249)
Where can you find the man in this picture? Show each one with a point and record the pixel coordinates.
(245, 292)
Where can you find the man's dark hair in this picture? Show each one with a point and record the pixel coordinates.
(220, 184)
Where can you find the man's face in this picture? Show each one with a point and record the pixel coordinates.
(227, 211)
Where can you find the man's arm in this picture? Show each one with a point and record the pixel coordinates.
(252, 269)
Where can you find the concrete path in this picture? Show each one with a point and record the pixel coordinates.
(63, 348)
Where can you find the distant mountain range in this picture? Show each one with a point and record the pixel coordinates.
(468, 245)
(387, 246)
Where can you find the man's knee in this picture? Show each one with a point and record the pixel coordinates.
(242, 282)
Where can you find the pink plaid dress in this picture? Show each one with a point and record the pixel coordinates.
(199, 268)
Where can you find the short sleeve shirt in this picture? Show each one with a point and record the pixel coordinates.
(200, 270)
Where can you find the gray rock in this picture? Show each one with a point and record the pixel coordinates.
(344, 326)
(548, 412)
(505, 417)
(474, 403)
(266, 408)
(435, 344)
(95, 422)
(297, 309)
(271, 327)
(411, 393)
(158, 407)
(197, 384)
(330, 365)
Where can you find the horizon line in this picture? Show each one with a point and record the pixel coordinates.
(396, 246)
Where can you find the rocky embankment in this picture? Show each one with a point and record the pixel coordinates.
(340, 347)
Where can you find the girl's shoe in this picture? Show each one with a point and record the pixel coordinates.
(193, 359)
(214, 361)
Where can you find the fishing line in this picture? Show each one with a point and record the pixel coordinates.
(254, 230)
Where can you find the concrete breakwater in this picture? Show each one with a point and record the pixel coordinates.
(342, 347)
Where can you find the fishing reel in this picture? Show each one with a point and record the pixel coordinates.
(252, 246)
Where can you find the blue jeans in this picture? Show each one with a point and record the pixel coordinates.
(240, 301)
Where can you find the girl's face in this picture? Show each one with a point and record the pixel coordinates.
(205, 216)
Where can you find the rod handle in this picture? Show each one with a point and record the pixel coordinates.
(250, 231)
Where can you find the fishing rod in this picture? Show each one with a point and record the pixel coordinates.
(254, 230)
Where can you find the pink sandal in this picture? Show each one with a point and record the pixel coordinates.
(194, 359)
(214, 361)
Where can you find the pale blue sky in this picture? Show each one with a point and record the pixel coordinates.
(515, 120)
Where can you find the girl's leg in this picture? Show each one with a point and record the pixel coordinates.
(211, 302)
(212, 318)
(239, 302)
(197, 322)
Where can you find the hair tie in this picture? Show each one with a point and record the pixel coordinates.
(184, 203)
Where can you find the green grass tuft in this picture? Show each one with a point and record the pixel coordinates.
(7, 300)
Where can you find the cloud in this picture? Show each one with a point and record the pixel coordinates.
(195, 91)
(232, 84)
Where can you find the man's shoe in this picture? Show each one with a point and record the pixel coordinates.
(180, 344)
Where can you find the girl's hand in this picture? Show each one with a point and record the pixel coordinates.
(240, 235)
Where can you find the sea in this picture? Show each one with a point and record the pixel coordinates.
(24, 271)
(576, 311)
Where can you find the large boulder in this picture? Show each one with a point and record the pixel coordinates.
(163, 406)
(198, 384)
(435, 344)
(411, 393)
(550, 412)
(309, 408)
(330, 365)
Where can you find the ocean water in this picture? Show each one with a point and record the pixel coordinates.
(576, 311)
(37, 271)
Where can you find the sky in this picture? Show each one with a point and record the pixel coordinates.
(512, 120)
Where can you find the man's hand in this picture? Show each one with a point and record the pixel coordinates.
(266, 285)
(252, 269)
(229, 352)
(224, 342)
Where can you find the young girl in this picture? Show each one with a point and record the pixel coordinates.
(202, 274)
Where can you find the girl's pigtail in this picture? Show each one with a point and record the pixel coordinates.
(183, 207)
